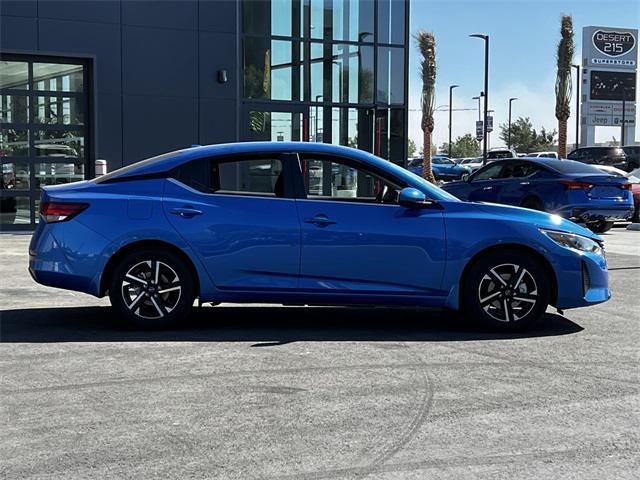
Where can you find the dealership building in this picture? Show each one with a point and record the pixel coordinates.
(126, 80)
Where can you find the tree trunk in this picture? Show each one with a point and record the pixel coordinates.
(427, 172)
(562, 138)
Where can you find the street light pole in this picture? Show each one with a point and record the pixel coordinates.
(485, 37)
(451, 87)
(509, 134)
(577, 67)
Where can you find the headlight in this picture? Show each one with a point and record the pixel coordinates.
(575, 242)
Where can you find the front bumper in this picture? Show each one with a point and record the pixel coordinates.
(582, 281)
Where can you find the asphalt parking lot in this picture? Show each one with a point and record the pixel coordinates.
(312, 393)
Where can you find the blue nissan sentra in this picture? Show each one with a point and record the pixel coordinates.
(305, 224)
(570, 189)
(443, 167)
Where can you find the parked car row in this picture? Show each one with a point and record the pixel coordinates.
(566, 188)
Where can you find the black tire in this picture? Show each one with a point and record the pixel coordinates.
(481, 286)
(636, 215)
(148, 303)
(533, 203)
(600, 226)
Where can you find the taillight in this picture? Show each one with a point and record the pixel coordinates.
(626, 186)
(573, 185)
(60, 212)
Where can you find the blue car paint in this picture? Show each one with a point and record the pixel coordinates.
(615, 203)
(242, 252)
(442, 171)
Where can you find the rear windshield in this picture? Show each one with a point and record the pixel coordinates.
(141, 163)
(570, 166)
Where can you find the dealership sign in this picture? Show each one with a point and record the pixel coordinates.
(610, 47)
(613, 43)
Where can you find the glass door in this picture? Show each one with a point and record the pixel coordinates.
(43, 136)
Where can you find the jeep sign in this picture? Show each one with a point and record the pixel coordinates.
(613, 43)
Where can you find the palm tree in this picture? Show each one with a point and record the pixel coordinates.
(427, 46)
(566, 48)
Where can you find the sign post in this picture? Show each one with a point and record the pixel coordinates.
(479, 130)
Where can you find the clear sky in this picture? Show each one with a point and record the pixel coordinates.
(523, 39)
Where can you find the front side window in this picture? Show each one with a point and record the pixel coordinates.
(488, 173)
(263, 176)
(337, 180)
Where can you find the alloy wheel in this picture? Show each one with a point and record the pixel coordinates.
(508, 292)
(151, 289)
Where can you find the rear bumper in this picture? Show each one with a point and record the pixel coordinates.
(62, 255)
(609, 215)
(591, 213)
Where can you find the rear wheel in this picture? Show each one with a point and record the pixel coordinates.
(152, 288)
(600, 226)
(636, 215)
(505, 291)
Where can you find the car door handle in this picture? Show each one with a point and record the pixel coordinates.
(320, 221)
(186, 212)
(487, 188)
(525, 183)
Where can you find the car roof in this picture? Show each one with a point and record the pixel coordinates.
(166, 162)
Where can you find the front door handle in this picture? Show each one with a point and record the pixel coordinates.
(320, 220)
(186, 212)
(487, 188)
(525, 183)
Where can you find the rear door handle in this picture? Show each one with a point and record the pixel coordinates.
(186, 212)
(525, 183)
(320, 220)
(487, 188)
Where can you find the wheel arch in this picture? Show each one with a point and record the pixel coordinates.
(518, 248)
(156, 244)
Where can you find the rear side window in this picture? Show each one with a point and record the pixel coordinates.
(243, 176)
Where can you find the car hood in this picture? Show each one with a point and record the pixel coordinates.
(540, 219)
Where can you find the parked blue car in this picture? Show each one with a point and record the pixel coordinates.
(567, 188)
(304, 224)
(443, 168)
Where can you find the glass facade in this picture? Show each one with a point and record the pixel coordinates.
(42, 132)
(331, 71)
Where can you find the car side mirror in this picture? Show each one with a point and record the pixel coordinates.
(465, 177)
(412, 198)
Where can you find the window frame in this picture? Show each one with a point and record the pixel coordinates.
(301, 190)
(283, 157)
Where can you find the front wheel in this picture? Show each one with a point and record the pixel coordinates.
(505, 291)
(152, 288)
(636, 215)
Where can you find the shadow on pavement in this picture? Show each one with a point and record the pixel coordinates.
(267, 326)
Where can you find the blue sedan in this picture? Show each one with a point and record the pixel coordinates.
(443, 168)
(570, 189)
(304, 224)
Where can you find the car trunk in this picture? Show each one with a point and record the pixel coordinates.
(605, 187)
